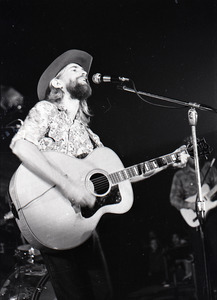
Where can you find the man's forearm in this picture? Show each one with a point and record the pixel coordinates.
(36, 162)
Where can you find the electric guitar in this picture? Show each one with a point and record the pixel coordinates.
(48, 220)
(189, 215)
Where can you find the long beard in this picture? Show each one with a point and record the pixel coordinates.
(79, 91)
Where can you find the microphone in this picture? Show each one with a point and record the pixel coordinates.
(98, 78)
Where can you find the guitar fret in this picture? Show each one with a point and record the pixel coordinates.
(135, 171)
(169, 159)
(140, 168)
(151, 165)
(173, 156)
(130, 172)
(111, 176)
(116, 177)
(143, 167)
(122, 175)
(147, 166)
(154, 162)
(127, 173)
(162, 161)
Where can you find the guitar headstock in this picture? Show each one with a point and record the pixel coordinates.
(203, 148)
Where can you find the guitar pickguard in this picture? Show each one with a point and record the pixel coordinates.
(113, 197)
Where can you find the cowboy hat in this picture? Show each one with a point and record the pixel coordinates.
(79, 57)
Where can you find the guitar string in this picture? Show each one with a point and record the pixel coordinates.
(102, 184)
(103, 181)
(129, 171)
(99, 182)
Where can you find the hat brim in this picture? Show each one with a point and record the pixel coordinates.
(79, 57)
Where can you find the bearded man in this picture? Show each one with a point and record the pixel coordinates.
(59, 123)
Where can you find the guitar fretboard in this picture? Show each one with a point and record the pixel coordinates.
(144, 167)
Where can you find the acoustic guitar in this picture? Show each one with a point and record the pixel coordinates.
(48, 220)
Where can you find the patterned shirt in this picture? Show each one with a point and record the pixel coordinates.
(184, 184)
(49, 127)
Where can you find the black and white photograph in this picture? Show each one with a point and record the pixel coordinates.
(108, 172)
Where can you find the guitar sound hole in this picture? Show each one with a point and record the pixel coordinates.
(100, 183)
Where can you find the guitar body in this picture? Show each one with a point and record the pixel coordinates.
(189, 215)
(48, 220)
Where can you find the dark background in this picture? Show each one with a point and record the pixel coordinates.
(168, 48)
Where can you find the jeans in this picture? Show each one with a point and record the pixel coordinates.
(70, 272)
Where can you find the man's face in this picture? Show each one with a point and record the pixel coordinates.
(74, 77)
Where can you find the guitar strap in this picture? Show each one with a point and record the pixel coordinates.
(12, 206)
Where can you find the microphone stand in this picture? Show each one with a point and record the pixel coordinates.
(200, 208)
(200, 202)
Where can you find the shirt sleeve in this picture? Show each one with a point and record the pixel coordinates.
(36, 123)
(176, 193)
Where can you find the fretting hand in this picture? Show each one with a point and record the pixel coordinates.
(182, 156)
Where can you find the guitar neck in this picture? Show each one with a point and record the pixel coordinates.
(145, 167)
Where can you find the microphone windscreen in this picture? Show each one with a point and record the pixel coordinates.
(96, 78)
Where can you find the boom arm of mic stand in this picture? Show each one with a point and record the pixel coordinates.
(183, 103)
